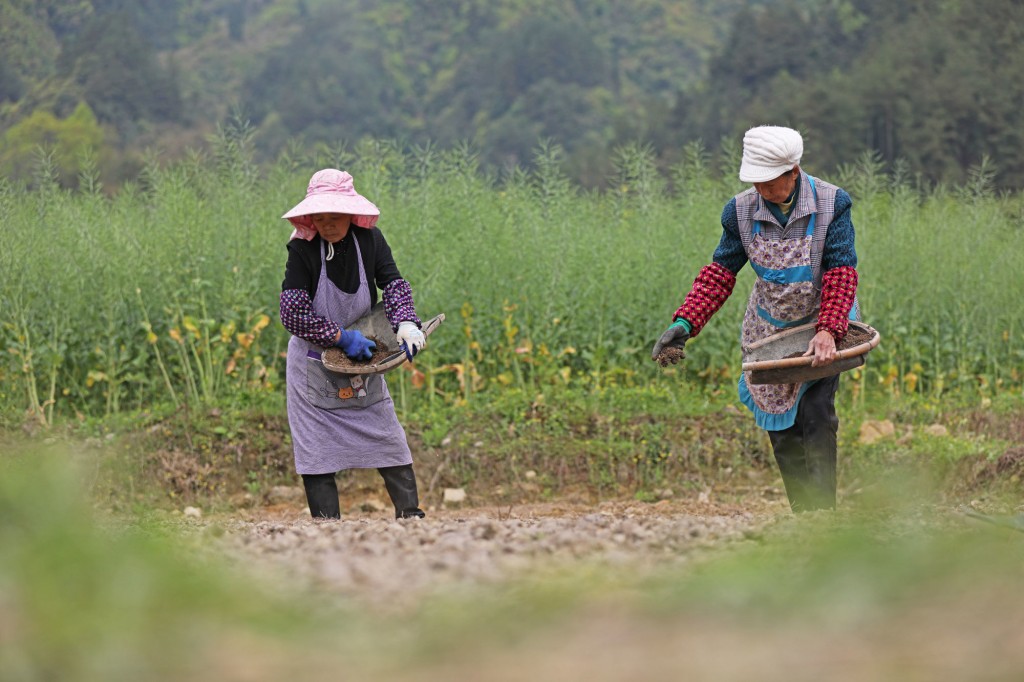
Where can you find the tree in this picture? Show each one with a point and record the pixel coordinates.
(69, 140)
(538, 78)
(159, 21)
(119, 74)
(11, 85)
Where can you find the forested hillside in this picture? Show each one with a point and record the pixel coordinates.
(932, 87)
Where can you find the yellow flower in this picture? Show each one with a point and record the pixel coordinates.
(190, 325)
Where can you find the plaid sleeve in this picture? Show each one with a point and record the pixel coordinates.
(298, 317)
(713, 285)
(398, 304)
(838, 288)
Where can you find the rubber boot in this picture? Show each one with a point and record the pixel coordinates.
(806, 452)
(787, 446)
(401, 484)
(821, 425)
(322, 496)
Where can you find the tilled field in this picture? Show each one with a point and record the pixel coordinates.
(369, 559)
(725, 584)
(374, 558)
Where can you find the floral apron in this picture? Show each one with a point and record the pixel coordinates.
(340, 421)
(787, 292)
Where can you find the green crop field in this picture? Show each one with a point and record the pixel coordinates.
(166, 293)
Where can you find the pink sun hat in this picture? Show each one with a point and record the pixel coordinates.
(331, 191)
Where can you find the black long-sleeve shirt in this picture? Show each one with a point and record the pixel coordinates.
(302, 270)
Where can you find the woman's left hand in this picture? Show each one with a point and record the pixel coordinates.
(823, 348)
(412, 338)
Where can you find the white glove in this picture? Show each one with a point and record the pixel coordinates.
(412, 337)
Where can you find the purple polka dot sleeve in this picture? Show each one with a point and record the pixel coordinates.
(298, 317)
(398, 304)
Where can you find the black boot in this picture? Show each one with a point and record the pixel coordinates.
(789, 453)
(401, 484)
(806, 452)
(322, 496)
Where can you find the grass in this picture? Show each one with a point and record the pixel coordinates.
(593, 446)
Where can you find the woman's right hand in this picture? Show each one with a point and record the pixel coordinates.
(355, 345)
(411, 339)
(674, 337)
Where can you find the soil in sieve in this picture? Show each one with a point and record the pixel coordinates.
(854, 337)
(337, 358)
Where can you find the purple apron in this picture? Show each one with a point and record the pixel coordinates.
(340, 421)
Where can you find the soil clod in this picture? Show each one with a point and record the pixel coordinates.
(670, 355)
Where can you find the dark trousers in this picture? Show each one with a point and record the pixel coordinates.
(806, 451)
(400, 481)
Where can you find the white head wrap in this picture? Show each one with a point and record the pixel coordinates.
(768, 152)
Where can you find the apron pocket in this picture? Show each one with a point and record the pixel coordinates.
(334, 391)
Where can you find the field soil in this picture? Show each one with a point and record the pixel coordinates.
(505, 529)
(370, 556)
(562, 582)
(394, 569)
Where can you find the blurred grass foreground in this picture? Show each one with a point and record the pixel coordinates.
(857, 595)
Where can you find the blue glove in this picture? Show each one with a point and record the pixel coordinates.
(355, 345)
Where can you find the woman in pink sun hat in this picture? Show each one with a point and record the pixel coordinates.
(330, 281)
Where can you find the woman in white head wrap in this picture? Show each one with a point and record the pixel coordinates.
(796, 232)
